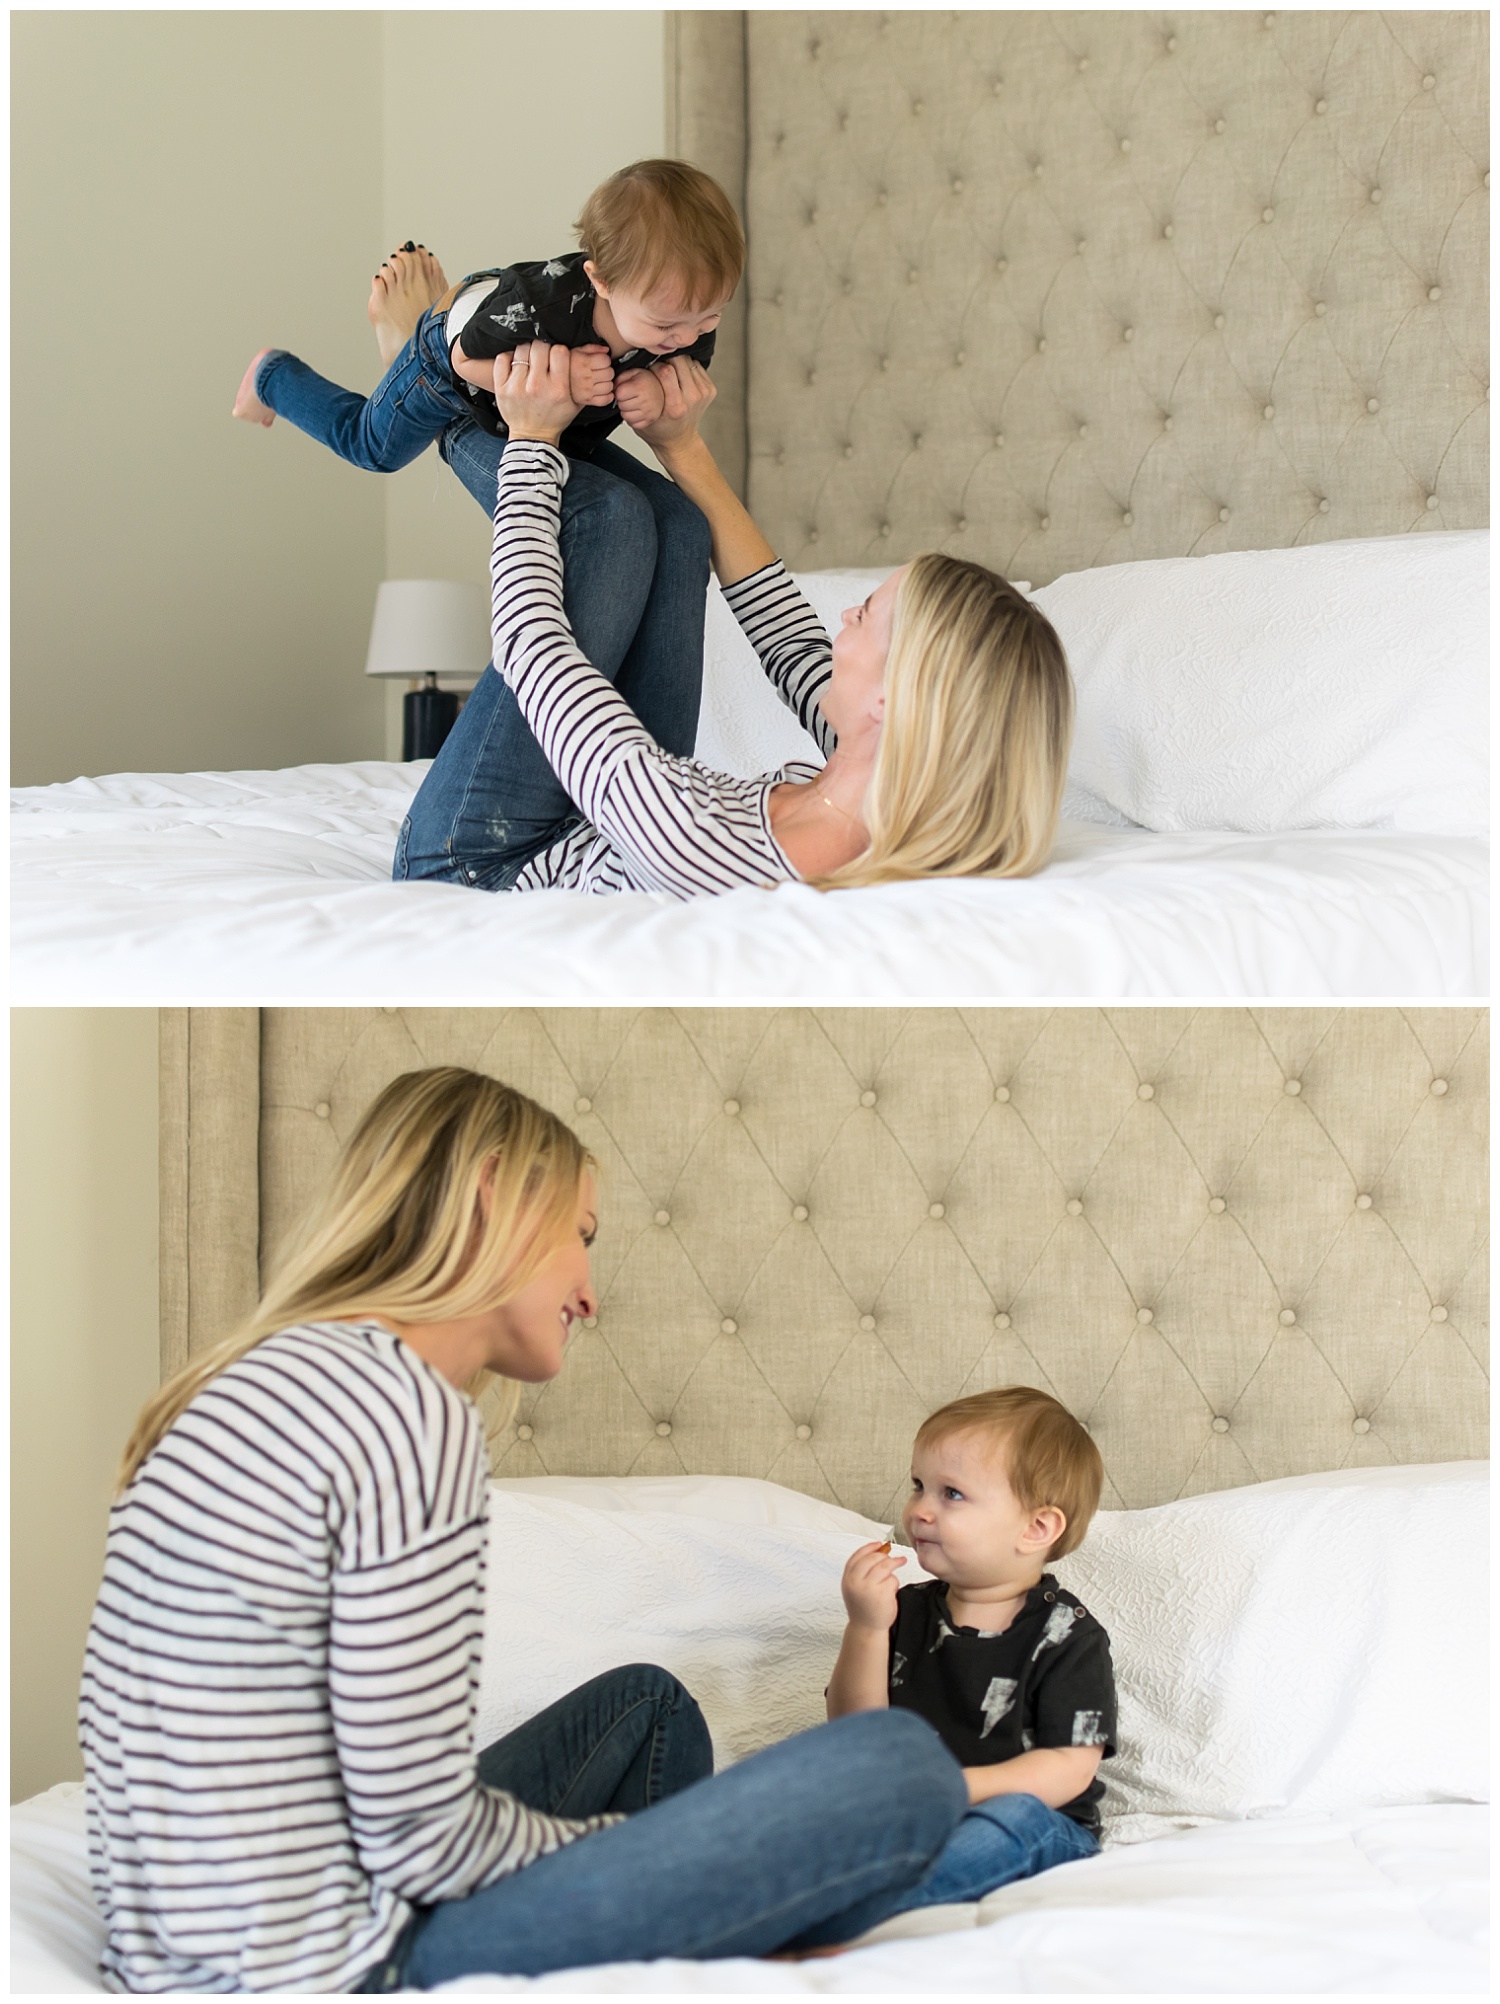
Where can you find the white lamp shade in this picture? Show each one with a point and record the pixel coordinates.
(430, 626)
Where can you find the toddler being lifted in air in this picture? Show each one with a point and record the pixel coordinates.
(661, 252)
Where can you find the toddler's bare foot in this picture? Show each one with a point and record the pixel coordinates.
(410, 280)
(247, 404)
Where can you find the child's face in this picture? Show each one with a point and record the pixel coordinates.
(964, 1521)
(658, 319)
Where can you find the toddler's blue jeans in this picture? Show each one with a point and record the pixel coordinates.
(1006, 1838)
(414, 402)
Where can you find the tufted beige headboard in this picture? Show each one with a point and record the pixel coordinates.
(1053, 289)
(818, 1225)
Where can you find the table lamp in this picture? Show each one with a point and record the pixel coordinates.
(424, 629)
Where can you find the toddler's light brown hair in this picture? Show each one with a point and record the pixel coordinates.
(662, 219)
(1049, 1457)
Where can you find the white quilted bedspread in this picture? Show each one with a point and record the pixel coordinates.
(213, 887)
(1389, 1903)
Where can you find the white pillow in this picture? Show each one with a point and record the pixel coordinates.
(1341, 685)
(748, 1614)
(743, 725)
(727, 1499)
(1313, 1644)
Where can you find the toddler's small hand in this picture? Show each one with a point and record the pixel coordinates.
(869, 1586)
(641, 398)
(591, 376)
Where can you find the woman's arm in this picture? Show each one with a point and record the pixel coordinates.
(687, 389)
(403, 1655)
(686, 829)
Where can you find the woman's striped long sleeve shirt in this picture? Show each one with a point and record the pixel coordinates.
(655, 822)
(277, 1711)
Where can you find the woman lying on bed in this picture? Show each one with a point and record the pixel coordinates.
(944, 705)
(277, 1712)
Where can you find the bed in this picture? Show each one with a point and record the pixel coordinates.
(1074, 295)
(733, 1585)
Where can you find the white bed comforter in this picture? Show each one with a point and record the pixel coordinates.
(1388, 1902)
(217, 886)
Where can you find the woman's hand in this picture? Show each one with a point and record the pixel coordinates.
(869, 1587)
(641, 398)
(532, 388)
(687, 391)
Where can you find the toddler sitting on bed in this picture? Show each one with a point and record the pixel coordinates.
(1010, 1669)
(662, 252)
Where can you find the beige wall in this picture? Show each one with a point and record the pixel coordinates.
(84, 1340)
(567, 97)
(188, 187)
(466, 75)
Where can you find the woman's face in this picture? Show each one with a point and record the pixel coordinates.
(526, 1336)
(857, 691)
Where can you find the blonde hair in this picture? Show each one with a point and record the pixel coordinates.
(973, 753)
(451, 1196)
(1049, 1457)
(659, 219)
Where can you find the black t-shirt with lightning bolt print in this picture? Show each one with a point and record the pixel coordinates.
(1046, 1681)
(550, 301)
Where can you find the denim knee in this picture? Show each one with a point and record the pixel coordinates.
(905, 1757)
(615, 510)
(687, 525)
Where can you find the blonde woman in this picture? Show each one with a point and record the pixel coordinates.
(277, 1712)
(943, 706)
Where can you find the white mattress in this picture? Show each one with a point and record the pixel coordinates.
(264, 886)
(1391, 1901)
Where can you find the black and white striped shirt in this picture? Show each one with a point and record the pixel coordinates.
(654, 822)
(277, 1712)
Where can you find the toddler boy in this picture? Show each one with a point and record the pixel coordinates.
(1010, 1669)
(661, 254)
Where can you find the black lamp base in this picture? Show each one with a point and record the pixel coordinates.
(427, 716)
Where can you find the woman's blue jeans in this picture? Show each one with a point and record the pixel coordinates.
(635, 584)
(635, 580)
(839, 1821)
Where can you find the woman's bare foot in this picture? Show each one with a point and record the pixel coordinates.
(247, 404)
(410, 280)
